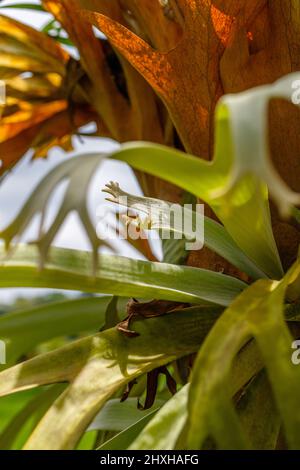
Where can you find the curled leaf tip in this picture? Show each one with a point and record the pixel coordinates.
(113, 189)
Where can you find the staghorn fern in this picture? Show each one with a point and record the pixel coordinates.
(258, 312)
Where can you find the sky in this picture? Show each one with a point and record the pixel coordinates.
(18, 185)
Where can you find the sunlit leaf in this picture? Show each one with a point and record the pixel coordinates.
(257, 312)
(78, 172)
(19, 41)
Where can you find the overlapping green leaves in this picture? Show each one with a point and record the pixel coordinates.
(98, 366)
(125, 277)
(159, 218)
